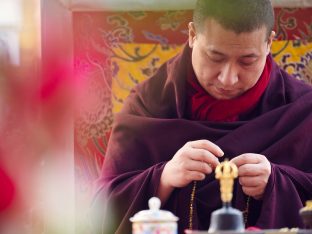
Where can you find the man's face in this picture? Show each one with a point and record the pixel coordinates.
(227, 64)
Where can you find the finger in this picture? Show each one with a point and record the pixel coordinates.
(246, 158)
(205, 156)
(198, 166)
(195, 175)
(252, 170)
(248, 181)
(207, 145)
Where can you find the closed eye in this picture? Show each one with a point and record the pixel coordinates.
(217, 60)
(247, 64)
(215, 56)
(248, 61)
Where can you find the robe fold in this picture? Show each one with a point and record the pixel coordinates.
(153, 126)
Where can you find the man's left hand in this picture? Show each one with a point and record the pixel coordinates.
(254, 171)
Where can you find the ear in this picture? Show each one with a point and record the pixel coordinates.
(192, 34)
(270, 41)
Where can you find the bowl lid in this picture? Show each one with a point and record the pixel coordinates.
(154, 213)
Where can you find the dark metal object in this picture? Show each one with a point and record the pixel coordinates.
(226, 219)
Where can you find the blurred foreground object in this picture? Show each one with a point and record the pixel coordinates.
(306, 214)
(7, 190)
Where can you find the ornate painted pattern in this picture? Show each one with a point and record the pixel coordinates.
(296, 58)
(115, 51)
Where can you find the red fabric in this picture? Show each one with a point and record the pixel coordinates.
(202, 106)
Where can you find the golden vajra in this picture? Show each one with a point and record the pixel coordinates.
(308, 206)
(226, 172)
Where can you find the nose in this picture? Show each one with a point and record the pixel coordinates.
(228, 75)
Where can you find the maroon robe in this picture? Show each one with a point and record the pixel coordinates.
(152, 126)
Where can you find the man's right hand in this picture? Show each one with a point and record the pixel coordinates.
(193, 161)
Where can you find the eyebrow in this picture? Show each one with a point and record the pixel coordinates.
(216, 52)
(251, 55)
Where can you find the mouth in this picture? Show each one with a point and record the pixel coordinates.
(225, 90)
(226, 93)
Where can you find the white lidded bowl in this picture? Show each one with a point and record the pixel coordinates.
(154, 220)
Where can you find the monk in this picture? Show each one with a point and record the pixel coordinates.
(222, 97)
